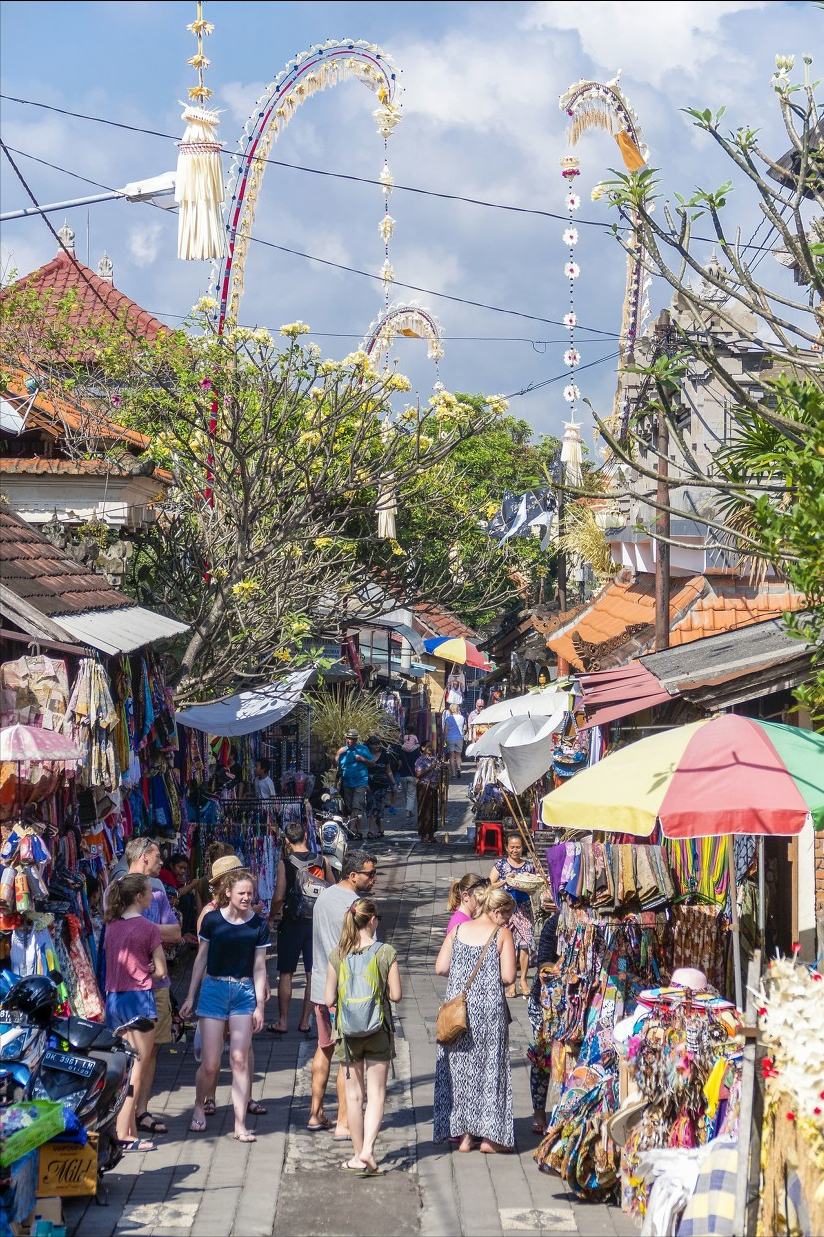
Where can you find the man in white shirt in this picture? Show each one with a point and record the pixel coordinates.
(474, 717)
(358, 876)
(264, 786)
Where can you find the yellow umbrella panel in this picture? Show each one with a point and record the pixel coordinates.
(623, 792)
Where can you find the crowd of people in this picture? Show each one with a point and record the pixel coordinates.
(352, 983)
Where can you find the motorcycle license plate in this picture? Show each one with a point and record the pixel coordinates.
(81, 1066)
(13, 1017)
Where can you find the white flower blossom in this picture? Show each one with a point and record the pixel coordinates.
(572, 270)
(572, 357)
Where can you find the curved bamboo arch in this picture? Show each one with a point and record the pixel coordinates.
(324, 65)
(594, 105)
(410, 320)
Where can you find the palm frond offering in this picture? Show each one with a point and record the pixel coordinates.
(582, 539)
(361, 711)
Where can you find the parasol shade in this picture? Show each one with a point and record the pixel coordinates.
(456, 649)
(723, 775)
(542, 703)
(19, 743)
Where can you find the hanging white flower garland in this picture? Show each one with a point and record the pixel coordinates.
(572, 357)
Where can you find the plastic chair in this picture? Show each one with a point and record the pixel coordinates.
(490, 838)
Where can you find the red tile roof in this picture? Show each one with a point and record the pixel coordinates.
(37, 466)
(98, 301)
(618, 624)
(438, 622)
(49, 579)
(54, 416)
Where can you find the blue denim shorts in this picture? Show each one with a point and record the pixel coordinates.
(224, 998)
(122, 1007)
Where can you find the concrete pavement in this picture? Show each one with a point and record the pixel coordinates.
(290, 1181)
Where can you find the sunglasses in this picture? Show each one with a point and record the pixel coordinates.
(481, 884)
(369, 875)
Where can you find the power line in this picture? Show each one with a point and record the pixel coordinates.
(567, 374)
(363, 180)
(257, 240)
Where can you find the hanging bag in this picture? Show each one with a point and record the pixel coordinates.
(452, 1016)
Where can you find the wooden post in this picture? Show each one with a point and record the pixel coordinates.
(749, 1126)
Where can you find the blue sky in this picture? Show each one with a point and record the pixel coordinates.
(481, 119)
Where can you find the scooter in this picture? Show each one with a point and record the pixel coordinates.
(77, 1063)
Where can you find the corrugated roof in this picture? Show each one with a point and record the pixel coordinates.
(438, 622)
(725, 656)
(49, 579)
(120, 631)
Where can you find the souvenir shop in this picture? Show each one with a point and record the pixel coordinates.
(221, 743)
(63, 820)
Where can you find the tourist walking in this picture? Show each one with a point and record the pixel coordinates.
(354, 760)
(427, 777)
(406, 771)
(225, 862)
(454, 725)
(302, 876)
(134, 957)
(143, 858)
(362, 978)
(523, 923)
(381, 781)
(473, 1075)
(463, 903)
(358, 875)
(230, 971)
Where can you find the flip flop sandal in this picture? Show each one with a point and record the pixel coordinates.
(209, 1108)
(340, 1138)
(197, 1127)
(321, 1125)
(150, 1124)
(353, 1168)
(256, 1108)
(273, 1030)
(245, 1138)
(136, 1144)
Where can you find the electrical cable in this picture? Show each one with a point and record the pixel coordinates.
(256, 240)
(567, 374)
(364, 180)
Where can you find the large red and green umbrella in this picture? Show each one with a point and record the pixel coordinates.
(724, 775)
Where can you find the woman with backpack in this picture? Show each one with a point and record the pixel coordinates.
(473, 1074)
(362, 979)
(231, 963)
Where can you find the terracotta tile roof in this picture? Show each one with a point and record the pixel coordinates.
(47, 578)
(618, 624)
(38, 466)
(55, 416)
(438, 622)
(98, 301)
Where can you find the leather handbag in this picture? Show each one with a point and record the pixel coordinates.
(452, 1019)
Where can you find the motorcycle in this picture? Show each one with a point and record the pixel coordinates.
(71, 1061)
(334, 835)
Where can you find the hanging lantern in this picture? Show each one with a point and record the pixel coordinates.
(199, 180)
(572, 454)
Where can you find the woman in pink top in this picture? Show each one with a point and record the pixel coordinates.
(462, 895)
(134, 957)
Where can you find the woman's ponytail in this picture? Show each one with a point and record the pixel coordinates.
(357, 917)
(458, 888)
(122, 893)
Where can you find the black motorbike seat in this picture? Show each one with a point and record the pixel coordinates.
(82, 1034)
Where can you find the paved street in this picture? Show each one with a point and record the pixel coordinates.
(290, 1181)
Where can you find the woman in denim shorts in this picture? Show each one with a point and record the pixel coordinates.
(231, 963)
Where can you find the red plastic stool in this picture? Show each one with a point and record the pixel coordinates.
(489, 838)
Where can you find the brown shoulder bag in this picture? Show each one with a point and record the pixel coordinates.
(452, 1020)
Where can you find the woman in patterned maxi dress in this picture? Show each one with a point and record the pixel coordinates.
(473, 1075)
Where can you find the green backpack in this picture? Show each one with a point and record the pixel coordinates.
(360, 994)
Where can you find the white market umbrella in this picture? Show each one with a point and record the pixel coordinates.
(542, 703)
(490, 742)
(528, 749)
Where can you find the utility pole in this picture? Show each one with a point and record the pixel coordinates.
(662, 495)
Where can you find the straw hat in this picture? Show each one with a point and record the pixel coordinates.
(351, 734)
(226, 863)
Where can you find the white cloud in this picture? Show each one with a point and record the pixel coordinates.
(144, 243)
(648, 39)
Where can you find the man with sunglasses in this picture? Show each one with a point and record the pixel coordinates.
(358, 877)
